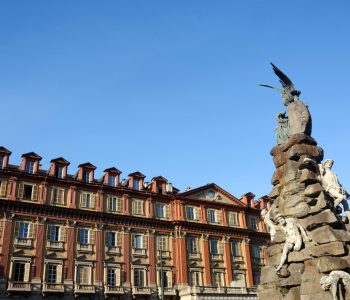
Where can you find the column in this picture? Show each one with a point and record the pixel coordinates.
(126, 204)
(126, 255)
(181, 258)
(224, 217)
(149, 208)
(39, 251)
(206, 260)
(69, 273)
(12, 189)
(228, 260)
(42, 193)
(4, 258)
(152, 259)
(72, 202)
(243, 219)
(99, 204)
(99, 256)
(248, 262)
(203, 214)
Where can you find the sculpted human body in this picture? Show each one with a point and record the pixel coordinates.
(333, 281)
(271, 228)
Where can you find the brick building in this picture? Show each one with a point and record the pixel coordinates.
(75, 235)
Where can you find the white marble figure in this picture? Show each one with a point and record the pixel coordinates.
(271, 227)
(332, 186)
(333, 282)
(294, 237)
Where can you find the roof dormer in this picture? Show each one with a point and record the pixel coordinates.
(86, 172)
(159, 185)
(136, 180)
(111, 176)
(59, 167)
(248, 199)
(4, 157)
(30, 162)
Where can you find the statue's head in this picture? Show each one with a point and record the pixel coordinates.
(325, 282)
(328, 163)
(279, 219)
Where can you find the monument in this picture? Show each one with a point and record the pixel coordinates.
(309, 217)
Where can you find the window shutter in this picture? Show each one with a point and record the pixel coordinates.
(60, 196)
(218, 216)
(92, 200)
(133, 206)
(26, 272)
(91, 237)
(59, 274)
(167, 211)
(141, 204)
(48, 232)
(3, 188)
(199, 214)
(132, 240)
(118, 239)
(62, 234)
(108, 199)
(144, 241)
(78, 235)
(31, 231)
(117, 277)
(170, 279)
(119, 204)
(20, 191)
(35, 193)
(195, 245)
(208, 215)
(17, 224)
(220, 247)
(53, 196)
(82, 199)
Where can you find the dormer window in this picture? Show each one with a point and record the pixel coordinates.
(136, 184)
(59, 172)
(111, 180)
(4, 157)
(58, 167)
(86, 172)
(1, 161)
(29, 168)
(86, 176)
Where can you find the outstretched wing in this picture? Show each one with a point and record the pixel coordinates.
(271, 87)
(284, 80)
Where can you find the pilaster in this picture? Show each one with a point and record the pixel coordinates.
(247, 259)
(39, 252)
(126, 206)
(152, 259)
(69, 277)
(43, 192)
(203, 214)
(72, 199)
(181, 257)
(99, 256)
(228, 261)
(126, 257)
(12, 188)
(5, 255)
(206, 260)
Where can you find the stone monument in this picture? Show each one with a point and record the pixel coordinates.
(309, 217)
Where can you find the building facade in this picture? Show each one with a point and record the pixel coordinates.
(77, 236)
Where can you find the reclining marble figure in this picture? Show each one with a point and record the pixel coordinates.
(334, 281)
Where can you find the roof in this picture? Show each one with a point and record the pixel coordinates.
(112, 170)
(60, 160)
(215, 187)
(87, 165)
(137, 174)
(32, 155)
(159, 178)
(4, 150)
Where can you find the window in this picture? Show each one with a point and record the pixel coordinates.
(59, 172)
(162, 210)
(233, 219)
(24, 230)
(236, 248)
(137, 207)
(28, 192)
(114, 204)
(51, 273)
(164, 276)
(57, 196)
(86, 176)
(137, 184)
(84, 236)
(111, 180)
(29, 168)
(113, 277)
(252, 223)
(54, 233)
(214, 215)
(190, 213)
(1, 161)
(113, 239)
(3, 187)
(214, 248)
(217, 279)
(238, 279)
(87, 200)
(84, 275)
(162, 243)
(138, 241)
(195, 278)
(139, 277)
(19, 269)
(192, 245)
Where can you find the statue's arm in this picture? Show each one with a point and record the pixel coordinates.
(303, 232)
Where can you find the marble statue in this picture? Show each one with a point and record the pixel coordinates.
(282, 129)
(271, 228)
(334, 282)
(294, 237)
(299, 117)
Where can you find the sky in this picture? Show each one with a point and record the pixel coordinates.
(171, 87)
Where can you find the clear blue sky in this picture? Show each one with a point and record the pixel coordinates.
(170, 87)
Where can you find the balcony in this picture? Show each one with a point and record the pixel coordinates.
(194, 255)
(23, 242)
(113, 250)
(19, 287)
(238, 259)
(53, 287)
(54, 245)
(141, 291)
(84, 289)
(222, 290)
(114, 290)
(84, 247)
(168, 291)
(165, 253)
(216, 257)
(138, 252)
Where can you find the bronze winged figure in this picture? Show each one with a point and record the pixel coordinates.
(288, 91)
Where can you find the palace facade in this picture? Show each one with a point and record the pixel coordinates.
(78, 236)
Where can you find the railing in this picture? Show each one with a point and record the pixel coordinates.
(19, 286)
(113, 249)
(165, 253)
(114, 289)
(54, 245)
(23, 242)
(141, 291)
(84, 288)
(84, 247)
(53, 287)
(216, 256)
(168, 291)
(194, 255)
(137, 251)
(237, 259)
(222, 290)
